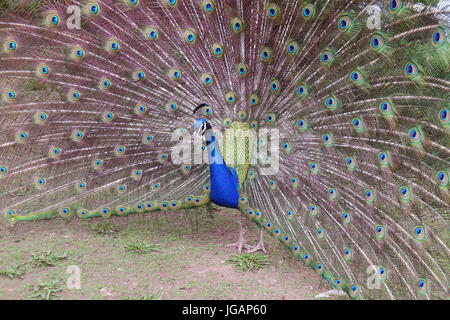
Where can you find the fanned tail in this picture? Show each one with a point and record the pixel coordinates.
(90, 115)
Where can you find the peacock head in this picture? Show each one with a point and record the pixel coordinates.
(201, 125)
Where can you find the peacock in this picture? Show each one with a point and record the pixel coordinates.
(325, 122)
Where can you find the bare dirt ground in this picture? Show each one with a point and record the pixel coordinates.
(191, 262)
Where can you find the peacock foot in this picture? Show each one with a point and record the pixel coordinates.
(240, 244)
(260, 245)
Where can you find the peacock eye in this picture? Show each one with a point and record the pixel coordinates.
(444, 116)
(254, 99)
(439, 37)
(230, 97)
(189, 36)
(293, 48)
(273, 11)
(42, 70)
(266, 54)
(393, 4)
(442, 177)
(275, 86)
(436, 36)
(237, 24)
(207, 79)
(171, 3)
(308, 11)
(332, 103)
(104, 84)
(302, 91)
(404, 190)
(345, 23)
(131, 3)
(175, 74)
(151, 33)
(375, 42)
(54, 152)
(208, 6)
(10, 46)
(411, 70)
(217, 49)
(138, 75)
(271, 118)
(242, 69)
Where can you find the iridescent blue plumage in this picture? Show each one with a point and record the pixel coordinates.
(224, 180)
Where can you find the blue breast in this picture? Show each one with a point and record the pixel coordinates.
(224, 180)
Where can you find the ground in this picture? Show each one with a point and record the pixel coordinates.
(191, 261)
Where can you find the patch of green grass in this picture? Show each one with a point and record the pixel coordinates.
(141, 246)
(12, 272)
(249, 262)
(44, 291)
(47, 258)
(104, 228)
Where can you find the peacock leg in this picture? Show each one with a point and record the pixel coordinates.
(241, 242)
(260, 245)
